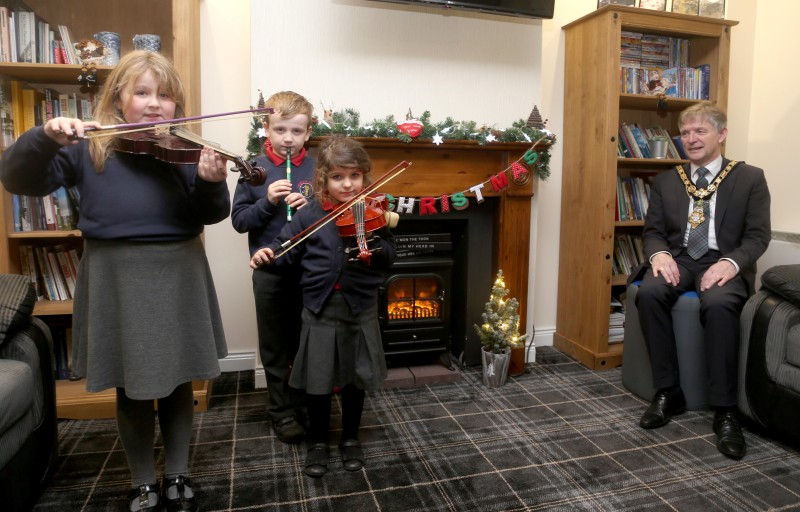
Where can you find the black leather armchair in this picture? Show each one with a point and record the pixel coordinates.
(769, 355)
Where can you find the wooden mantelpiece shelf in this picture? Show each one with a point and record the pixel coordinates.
(73, 402)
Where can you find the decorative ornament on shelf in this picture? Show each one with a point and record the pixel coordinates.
(535, 120)
(410, 127)
(88, 76)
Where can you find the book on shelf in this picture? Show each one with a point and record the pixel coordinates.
(52, 269)
(7, 135)
(56, 211)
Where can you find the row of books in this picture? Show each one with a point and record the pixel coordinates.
(653, 51)
(632, 197)
(22, 107)
(26, 37)
(684, 82)
(52, 269)
(628, 253)
(53, 212)
(633, 142)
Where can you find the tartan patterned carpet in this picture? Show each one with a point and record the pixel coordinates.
(559, 437)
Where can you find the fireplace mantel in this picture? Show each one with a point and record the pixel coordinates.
(455, 166)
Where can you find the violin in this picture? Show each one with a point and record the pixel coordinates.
(365, 216)
(178, 146)
(343, 208)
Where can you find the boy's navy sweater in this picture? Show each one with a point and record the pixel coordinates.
(136, 197)
(324, 262)
(252, 212)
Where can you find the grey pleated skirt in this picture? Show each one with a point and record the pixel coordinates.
(339, 348)
(146, 317)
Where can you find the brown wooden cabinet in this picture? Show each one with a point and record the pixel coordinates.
(593, 111)
(177, 22)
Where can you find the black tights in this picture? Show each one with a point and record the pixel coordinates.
(319, 414)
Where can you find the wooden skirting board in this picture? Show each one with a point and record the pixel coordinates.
(75, 403)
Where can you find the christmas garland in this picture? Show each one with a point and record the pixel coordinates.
(348, 122)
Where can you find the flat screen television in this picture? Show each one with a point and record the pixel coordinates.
(521, 8)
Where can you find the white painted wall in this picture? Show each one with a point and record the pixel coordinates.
(383, 59)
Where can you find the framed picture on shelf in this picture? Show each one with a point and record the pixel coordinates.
(685, 6)
(712, 8)
(629, 3)
(656, 5)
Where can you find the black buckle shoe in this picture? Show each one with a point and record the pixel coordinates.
(184, 500)
(352, 454)
(317, 460)
(142, 495)
(288, 430)
(730, 440)
(664, 406)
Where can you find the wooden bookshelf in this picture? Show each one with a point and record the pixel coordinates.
(178, 24)
(594, 108)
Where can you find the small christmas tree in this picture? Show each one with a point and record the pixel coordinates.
(500, 329)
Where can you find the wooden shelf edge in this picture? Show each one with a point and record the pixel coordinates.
(75, 403)
(608, 360)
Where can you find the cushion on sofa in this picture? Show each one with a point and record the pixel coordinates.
(17, 412)
(17, 298)
(785, 281)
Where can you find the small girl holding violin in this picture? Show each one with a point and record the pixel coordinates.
(145, 319)
(340, 341)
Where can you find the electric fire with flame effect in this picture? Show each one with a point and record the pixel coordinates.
(414, 298)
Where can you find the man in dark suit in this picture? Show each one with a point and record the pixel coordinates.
(705, 228)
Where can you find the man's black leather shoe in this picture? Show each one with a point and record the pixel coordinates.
(664, 406)
(730, 440)
(288, 430)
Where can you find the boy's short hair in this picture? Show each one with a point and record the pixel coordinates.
(704, 110)
(289, 104)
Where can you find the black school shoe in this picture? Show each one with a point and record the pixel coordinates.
(316, 460)
(352, 454)
(184, 497)
(147, 496)
(288, 430)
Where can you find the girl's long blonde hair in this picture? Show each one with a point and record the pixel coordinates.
(125, 74)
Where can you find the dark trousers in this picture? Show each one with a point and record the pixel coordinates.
(279, 303)
(720, 308)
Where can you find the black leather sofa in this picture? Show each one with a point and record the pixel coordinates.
(28, 425)
(769, 356)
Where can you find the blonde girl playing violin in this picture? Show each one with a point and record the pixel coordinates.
(146, 319)
(340, 340)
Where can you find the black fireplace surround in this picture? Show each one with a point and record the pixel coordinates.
(461, 279)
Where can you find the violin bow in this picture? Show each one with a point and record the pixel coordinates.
(135, 127)
(300, 237)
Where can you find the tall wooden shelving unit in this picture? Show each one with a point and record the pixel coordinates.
(593, 111)
(178, 24)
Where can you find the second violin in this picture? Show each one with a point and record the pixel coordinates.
(362, 217)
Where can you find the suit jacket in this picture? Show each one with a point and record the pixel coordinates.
(741, 217)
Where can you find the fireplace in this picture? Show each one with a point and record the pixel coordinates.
(415, 309)
(440, 283)
(484, 237)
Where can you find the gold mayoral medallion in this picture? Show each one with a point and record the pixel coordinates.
(697, 216)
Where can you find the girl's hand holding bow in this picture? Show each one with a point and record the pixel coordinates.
(66, 131)
(263, 256)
